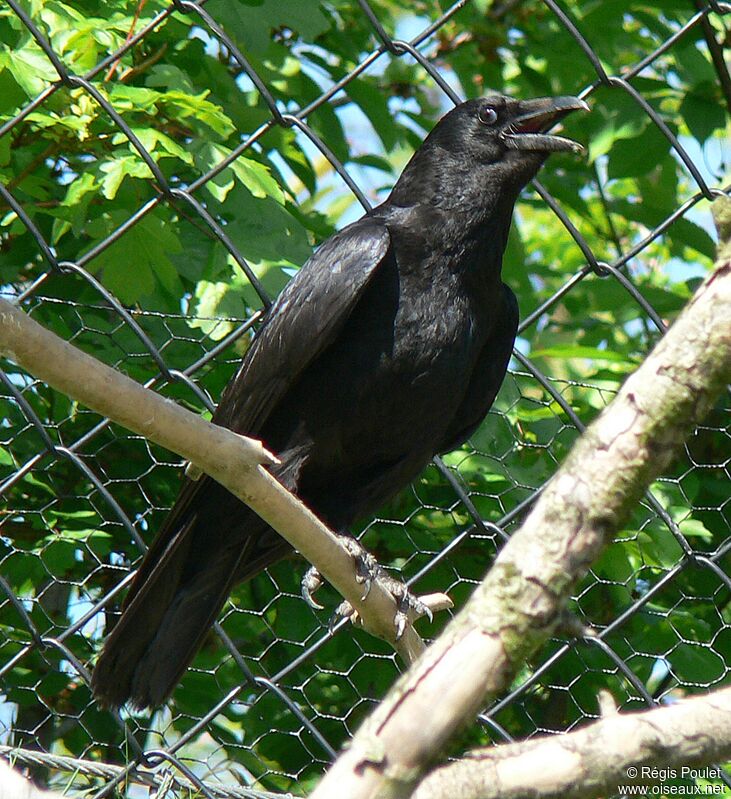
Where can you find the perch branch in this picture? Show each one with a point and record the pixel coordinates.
(521, 600)
(234, 461)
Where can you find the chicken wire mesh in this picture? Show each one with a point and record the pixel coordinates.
(273, 693)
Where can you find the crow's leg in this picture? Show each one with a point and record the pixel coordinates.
(366, 567)
(405, 601)
(367, 570)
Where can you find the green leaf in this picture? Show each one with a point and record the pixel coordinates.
(170, 77)
(374, 104)
(254, 176)
(703, 113)
(374, 162)
(693, 236)
(116, 171)
(251, 24)
(72, 212)
(76, 124)
(197, 109)
(696, 664)
(659, 547)
(157, 143)
(213, 303)
(264, 230)
(613, 118)
(6, 459)
(694, 528)
(30, 67)
(216, 301)
(11, 94)
(133, 98)
(615, 564)
(257, 178)
(640, 155)
(136, 263)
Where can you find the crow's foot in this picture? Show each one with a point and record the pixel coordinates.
(405, 602)
(368, 571)
(366, 567)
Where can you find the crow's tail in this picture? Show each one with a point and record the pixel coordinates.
(202, 550)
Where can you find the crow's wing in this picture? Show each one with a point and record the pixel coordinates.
(303, 321)
(488, 375)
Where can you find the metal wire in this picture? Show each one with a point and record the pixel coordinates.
(183, 751)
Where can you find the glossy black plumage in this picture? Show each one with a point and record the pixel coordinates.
(388, 347)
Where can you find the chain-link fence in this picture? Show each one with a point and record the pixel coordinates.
(132, 256)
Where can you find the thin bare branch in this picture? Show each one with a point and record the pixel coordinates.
(233, 460)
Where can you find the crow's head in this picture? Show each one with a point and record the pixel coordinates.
(498, 128)
(494, 143)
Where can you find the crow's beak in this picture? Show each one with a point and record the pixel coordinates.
(527, 128)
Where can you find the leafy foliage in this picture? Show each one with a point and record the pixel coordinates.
(191, 108)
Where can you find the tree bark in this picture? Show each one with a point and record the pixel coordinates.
(654, 746)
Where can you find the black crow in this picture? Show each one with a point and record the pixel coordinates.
(387, 347)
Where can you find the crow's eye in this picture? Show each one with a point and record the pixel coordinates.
(487, 115)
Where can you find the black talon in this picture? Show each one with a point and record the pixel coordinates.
(366, 572)
(311, 582)
(403, 601)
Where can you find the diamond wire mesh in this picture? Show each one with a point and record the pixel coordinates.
(274, 694)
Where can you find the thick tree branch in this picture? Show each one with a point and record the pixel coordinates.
(627, 749)
(233, 460)
(519, 603)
